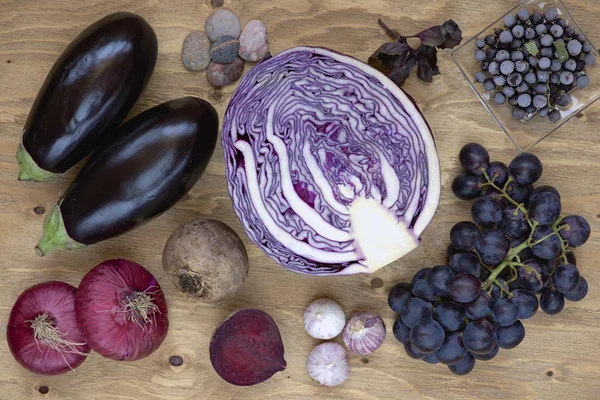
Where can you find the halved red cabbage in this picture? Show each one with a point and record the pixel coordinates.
(331, 167)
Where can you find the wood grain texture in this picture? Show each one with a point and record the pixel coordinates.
(32, 35)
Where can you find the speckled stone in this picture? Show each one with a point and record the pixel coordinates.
(222, 23)
(253, 41)
(225, 49)
(195, 53)
(224, 74)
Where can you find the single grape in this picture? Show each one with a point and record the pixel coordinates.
(540, 101)
(509, 337)
(502, 55)
(516, 55)
(536, 18)
(533, 278)
(578, 231)
(565, 278)
(506, 37)
(499, 80)
(579, 292)
(480, 77)
(513, 100)
(557, 31)
(416, 309)
(494, 68)
(488, 356)
(490, 40)
(543, 76)
(574, 47)
(544, 63)
(473, 157)
(518, 112)
(480, 43)
(505, 312)
(499, 98)
(561, 22)
(546, 40)
(530, 109)
(463, 235)
(464, 366)
(544, 208)
(556, 66)
(580, 37)
(563, 99)
(526, 168)
(464, 287)
(552, 302)
(412, 351)
(551, 14)
(489, 84)
(546, 51)
(518, 31)
(530, 33)
(514, 223)
(569, 31)
(531, 78)
(544, 112)
(570, 65)
(467, 187)
(491, 54)
(450, 316)
(541, 29)
(486, 212)
(524, 100)
(438, 279)
(479, 308)
(420, 286)
(479, 337)
(571, 257)
(550, 247)
(452, 350)
(590, 59)
(465, 263)
(540, 88)
(492, 246)
(498, 171)
(587, 47)
(398, 295)
(510, 20)
(507, 67)
(583, 81)
(527, 302)
(427, 336)
(523, 15)
(566, 77)
(508, 91)
(515, 79)
(580, 66)
(521, 67)
(401, 331)
(522, 88)
(554, 81)
(554, 116)
(533, 62)
(516, 44)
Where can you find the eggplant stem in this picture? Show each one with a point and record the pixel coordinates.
(55, 235)
(29, 171)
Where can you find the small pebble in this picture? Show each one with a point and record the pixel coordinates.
(196, 51)
(222, 23)
(216, 3)
(224, 50)
(224, 74)
(253, 41)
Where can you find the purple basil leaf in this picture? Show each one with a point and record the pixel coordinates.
(393, 34)
(386, 57)
(452, 35)
(432, 36)
(400, 74)
(430, 54)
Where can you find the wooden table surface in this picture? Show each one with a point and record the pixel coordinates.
(560, 355)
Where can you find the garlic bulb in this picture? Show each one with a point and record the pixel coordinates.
(324, 319)
(364, 332)
(328, 364)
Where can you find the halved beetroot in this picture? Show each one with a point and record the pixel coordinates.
(246, 348)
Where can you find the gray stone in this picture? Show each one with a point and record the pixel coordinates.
(225, 49)
(195, 54)
(222, 23)
(253, 41)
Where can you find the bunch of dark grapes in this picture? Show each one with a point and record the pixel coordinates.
(518, 248)
(534, 63)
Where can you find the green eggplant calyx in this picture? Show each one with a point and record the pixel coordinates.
(29, 171)
(55, 235)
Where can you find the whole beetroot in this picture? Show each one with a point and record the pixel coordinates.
(246, 348)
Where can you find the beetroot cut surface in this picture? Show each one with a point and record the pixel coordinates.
(246, 348)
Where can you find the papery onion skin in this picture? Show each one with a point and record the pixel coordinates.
(331, 167)
(106, 328)
(364, 332)
(58, 300)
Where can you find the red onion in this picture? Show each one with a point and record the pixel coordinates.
(42, 329)
(121, 310)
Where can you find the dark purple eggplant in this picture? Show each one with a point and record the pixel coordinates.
(154, 161)
(87, 94)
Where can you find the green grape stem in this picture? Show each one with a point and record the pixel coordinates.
(512, 259)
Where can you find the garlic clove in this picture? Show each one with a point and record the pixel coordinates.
(364, 333)
(328, 364)
(324, 319)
